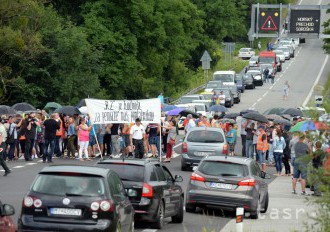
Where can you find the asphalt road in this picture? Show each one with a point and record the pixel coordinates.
(301, 72)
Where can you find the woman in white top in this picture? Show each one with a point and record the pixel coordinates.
(278, 146)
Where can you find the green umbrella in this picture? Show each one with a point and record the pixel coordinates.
(51, 106)
(303, 126)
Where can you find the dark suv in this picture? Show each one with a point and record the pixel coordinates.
(76, 198)
(151, 188)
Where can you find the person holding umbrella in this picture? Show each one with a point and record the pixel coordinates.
(262, 147)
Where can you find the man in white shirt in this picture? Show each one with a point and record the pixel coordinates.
(222, 98)
(136, 138)
(3, 137)
(191, 122)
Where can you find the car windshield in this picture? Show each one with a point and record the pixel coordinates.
(224, 77)
(244, 50)
(218, 168)
(266, 60)
(74, 185)
(279, 52)
(269, 66)
(185, 100)
(207, 96)
(200, 107)
(212, 85)
(254, 58)
(204, 136)
(284, 49)
(253, 73)
(127, 172)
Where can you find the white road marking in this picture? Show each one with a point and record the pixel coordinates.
(254, 104)
(300, 2)
(149, 230)
(271, 87)
(18, 167)
(2, 170)
(30, 163)
(259, 100)
(264, 94)
(316, 81)
(40, 161)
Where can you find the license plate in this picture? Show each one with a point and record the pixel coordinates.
(202, 153)
(65, 211)
(220, 185)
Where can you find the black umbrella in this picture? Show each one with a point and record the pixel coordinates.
(231, 115)
(6, 110)
(186, 112)
(256, 117)
(272, 117)
(68, 110)
(218, 108)
(283, 122)
(286, 116)
(293, 112)
(81, 103)
(277, 111)
(248, 111)
(23, 106)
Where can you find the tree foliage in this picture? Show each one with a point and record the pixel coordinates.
(63, 50)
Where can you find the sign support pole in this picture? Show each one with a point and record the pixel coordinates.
(257, 25)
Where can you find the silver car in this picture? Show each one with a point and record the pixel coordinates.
(200, 142)
(227, 183)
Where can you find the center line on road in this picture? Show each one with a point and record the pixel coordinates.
(259, 100)
(18, 167)
(271, 87)
(254, 104)
(265, 94)
(31, 163)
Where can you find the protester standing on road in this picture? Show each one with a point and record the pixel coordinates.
(214, 98)
(3, 138)
(266, 73)
(318, 160)
(136, 138)
(300, 165)
(115, 142)
(126, 134)
(30, 135)
(51, 127)
(262, 147)
(231, 139)
(172, 133)
(250, 131)
(279, 145)
(191, 123)
(12, 135)
(72, 134)
(286, 89)
(153, 130)
(243, 125)
(83, 139)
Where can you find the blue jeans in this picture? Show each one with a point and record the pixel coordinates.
(262, 158)
(278, 161)
(158, 145)
(270, 153)
(249, 148)
(48, 153)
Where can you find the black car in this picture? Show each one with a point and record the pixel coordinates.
(229, 96)
(233, 88)
(151, 188)
(240, 82)
(76, 198)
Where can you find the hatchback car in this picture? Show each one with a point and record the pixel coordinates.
(246, 53)
(229, 97)
(227, 183)
(152, 189)
(200, 142)
(253, 61)
(257, 77)
(76, 198)
(6, 222)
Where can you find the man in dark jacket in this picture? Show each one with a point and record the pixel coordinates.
(51, 126)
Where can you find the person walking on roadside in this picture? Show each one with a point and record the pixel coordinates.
(137, 132)
(191, 123)
(266, 74)
(279, 145)
(262, 147)
(286, 89)
(51, 127)
(171, 138)
(3, 138)
(259, 46)
(153, 131)
(72, 134)
(300, 165)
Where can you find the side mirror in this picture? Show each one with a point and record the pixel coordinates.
(178, 178)
(7, 210)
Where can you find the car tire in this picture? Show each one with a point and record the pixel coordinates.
(264, 209)
(184, 168)
(255, 214)
(190, 208)
(179, 217)
(159, 223)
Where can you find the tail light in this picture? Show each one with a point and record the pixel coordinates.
(225, 149)
(184, 147)
(248, 182)
(147, 191)
(30, 201)
(197, 177)
(103, 206)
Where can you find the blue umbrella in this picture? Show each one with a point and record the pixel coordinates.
(218, 108)
(167, 107)
(175, 111)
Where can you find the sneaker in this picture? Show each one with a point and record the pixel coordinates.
(294, 192)
(150, 155)
(303, 193)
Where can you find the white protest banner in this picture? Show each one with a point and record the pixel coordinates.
(123, 111)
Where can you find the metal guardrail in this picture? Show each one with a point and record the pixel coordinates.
(192, 91)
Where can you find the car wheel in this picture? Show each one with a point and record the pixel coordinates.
(264, 210)
(179, 217)
(190, 208)
(160, 216)
(255, 214)
(183, 168)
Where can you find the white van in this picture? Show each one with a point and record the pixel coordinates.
(227, 77)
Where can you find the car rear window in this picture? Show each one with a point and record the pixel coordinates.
(128, 172)
(218, 168)
(62, 185)
(205, 136)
